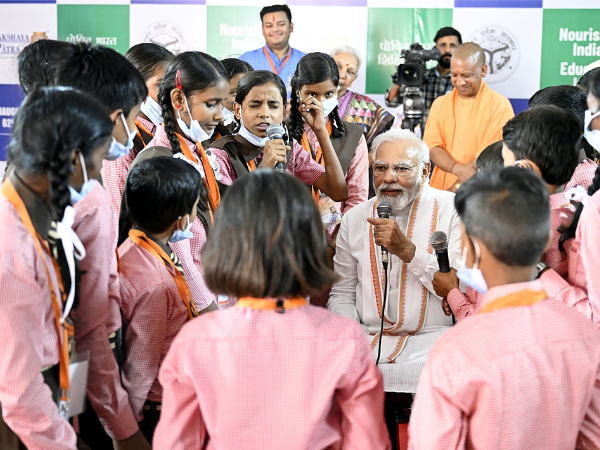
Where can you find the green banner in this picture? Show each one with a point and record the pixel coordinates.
(570, 41)
(106, 25)
(233, 30)
(391, 30)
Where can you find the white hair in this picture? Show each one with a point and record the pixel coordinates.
(346, 49)
(400, 135)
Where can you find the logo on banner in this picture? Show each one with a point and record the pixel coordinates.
(166, 34)
(11, 44)
(77, 38)
(502, 52)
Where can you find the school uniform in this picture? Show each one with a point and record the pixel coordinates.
(524, 373)
(145, 133)
(189, 250)
(30, 341)
(250, 377)
(153, 313)
(98, 319)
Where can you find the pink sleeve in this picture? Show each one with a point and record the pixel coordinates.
(225, 167)
(557, 288)
(302, 166)
(27, 405)
(357, 177)
(361, 400)
(589, 235)
(436, 421)
(107, 396)
(181, 425)
(188, 251)
(146, 312)
(114, 174)
(463, 306)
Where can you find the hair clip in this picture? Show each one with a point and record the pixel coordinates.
(178, 80)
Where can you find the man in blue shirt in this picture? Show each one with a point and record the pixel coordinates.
(277, 55)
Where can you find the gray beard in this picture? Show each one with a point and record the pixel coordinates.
(401, 201)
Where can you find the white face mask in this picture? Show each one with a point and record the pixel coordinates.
(117, 149)
(86, 187)
(180, 235)
(194, 132)
(252, 138)
(472, 277)
(592, 136)
(228, 116)
(152, 110)
(329, 105)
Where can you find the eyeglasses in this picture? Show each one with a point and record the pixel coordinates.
(399, 170)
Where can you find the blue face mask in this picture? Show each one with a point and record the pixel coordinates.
(152, 110)
(252, 138)
(180, 235)
(86, 187)
(472, 277)
(329, 105)
(194, 132)
(117, 149)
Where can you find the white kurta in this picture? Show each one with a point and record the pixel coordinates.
(410, 301)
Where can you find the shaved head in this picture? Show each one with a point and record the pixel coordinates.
(470, 52)
(467, 69)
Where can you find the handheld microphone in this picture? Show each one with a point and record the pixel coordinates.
(439, 242)
(275, 131)
(384, 209)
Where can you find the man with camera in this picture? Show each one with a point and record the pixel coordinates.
(436, 81)
(464, 122)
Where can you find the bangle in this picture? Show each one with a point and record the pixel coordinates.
(452, 167)
(329, 245)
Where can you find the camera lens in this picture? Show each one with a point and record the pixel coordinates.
(410, 74)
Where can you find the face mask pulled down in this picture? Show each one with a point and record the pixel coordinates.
(592, 136)
(86, 187)
(117, 149)
(152, 110)
(194, 132)
(180, 235)
(472, 276)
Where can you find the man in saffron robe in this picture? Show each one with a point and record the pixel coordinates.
(462, 123)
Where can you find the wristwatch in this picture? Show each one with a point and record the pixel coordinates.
(541, 268)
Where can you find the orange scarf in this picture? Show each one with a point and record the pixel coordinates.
(65, 330)
(527, 297)
(318, 157)
(262, 304)
(209, 179)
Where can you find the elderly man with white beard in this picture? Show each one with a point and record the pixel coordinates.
(414, 318)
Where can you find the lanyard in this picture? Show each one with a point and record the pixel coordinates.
(318, 157)
(66, 330)
(271, 61)
(262, 304)
(138, 125)
(526, 297)
(209, 179)
(140, 239)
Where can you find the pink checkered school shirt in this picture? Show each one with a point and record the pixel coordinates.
(29, 339)
(153, 313)
(561, 213)
(249, 379)
(583, 176)
(98, 313)
(516, 378)
(583, 288)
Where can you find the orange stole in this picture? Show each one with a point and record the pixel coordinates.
(67, 330)
(318, 156)
(526, 297)
(262, 304)
(209, 179)
(140, 239)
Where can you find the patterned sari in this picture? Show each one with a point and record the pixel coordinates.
(360, 109)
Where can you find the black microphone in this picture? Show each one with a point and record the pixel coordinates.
(439, 242)
(384, 209)
(275, 131)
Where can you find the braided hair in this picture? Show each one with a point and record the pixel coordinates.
(314, 68)
(198, 71)
(569, 232)
(51, 124)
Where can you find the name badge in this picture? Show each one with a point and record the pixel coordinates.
(330, 216)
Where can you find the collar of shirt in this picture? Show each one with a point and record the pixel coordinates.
(147, 124)
(165, 247)
(37, 210)
(163, 140)
(507, 289)
(275, 58)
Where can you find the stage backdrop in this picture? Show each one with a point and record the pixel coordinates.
(529, 43)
